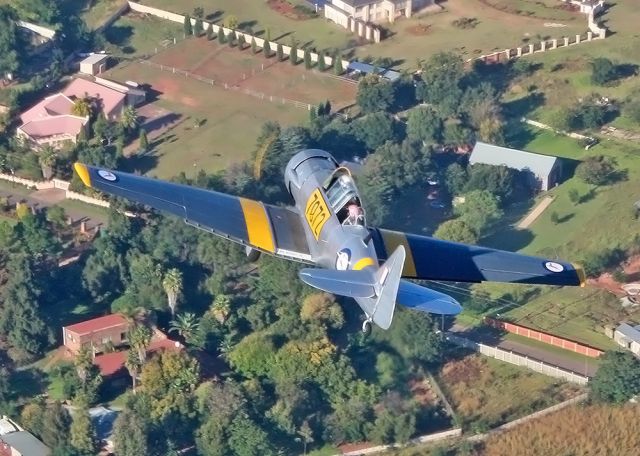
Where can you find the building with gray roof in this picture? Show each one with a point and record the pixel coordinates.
(628, 337)
(544, 171)
(22, 443)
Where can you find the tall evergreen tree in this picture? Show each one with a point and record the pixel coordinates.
(307, 58)
(197, 27)
(144, 141)
(221, 38)
(337, 65)
(293, 55)
(130, 434)
(56, 423)
(254, 46)
(82, 433)
(188, 29)
(279, 53)
(209, 32)
(322, 65)
(267, 49)
(241, 41)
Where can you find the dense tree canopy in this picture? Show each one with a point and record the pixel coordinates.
(617, 379)
(375, 94)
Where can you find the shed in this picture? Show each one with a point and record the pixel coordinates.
(545, 171)
(365, 68)
(94, 64)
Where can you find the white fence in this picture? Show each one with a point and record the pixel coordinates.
(519, 360)
(260, 42)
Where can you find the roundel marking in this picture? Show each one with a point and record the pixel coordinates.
(342, 259)
(553, 266)
(107, 175)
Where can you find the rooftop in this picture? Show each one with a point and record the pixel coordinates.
(489, 154)
(110, 98)
(97, 324)
(114, 363)
(25, 443)
(55, 105)
(630, 332)
(367, 68)
(54, 126)
(94, 58)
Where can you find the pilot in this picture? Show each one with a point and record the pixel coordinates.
(355, 215)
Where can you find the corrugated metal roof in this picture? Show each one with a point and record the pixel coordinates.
(97, 324)
(25, 443)
(489, 154)
(367, 68)
(628, 331)
(94, 58)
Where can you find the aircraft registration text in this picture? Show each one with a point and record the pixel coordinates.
(317, 213)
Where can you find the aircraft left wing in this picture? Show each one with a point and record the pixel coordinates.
(434, 259)
(270, 229)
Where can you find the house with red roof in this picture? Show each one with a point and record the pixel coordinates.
(103, 334)
(52, 122)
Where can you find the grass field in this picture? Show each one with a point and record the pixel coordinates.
(100, 11)
(424, 34)
(244, 70)
(485, 392)
(135, 35)
(232, 123)
(259, 16)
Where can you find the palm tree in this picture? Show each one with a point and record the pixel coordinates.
(129, 118)
(220, 308)
(139, 339)
(172, 284)
(133, 365)
(82, 107)
(226, 346)
(47, 159)
(186, 325)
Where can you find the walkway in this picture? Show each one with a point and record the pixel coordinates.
(535, 213)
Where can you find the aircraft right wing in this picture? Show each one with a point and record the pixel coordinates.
(271, 229)
(434, 259)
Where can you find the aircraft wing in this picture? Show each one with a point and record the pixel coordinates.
(267, 228)
(434, 259)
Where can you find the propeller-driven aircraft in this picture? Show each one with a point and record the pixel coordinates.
(327, 230)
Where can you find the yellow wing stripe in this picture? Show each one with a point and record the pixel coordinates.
(258, 225)
(363, 263)
(581, 274)
(83, 172)
(392, 239)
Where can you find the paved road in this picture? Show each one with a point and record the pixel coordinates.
(587, 368)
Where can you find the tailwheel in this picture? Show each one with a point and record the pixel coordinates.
(366, 327)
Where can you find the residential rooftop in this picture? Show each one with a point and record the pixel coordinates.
(97, 324)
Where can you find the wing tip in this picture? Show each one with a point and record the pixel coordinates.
(582, 276)
(83, 172)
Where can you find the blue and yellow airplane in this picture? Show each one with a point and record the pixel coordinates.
(327, 229)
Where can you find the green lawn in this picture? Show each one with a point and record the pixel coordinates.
(133, 36)
(100, 11)
(259, 16)
(233, 122)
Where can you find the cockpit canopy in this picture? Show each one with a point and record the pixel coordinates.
(343, 197)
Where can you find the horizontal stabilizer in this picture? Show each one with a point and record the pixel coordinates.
(354, 284)
(423, 299)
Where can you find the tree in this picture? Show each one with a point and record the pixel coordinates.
(456, 230)
(172, 284)
(143, 141)
(293, 55)
(241, 41)
(337, 65)
(388, 368)
(424, 125)
(617, 379)
(602, 71)
(307, 58)
(139, 338)
(374, 94)
(82, 433)
(57, 216)
(306, 434)
(209, 32)
(440, 85)
(198, 28)
(254, 46)
(188, 29)
(220, 308)
(83, 362)
(248, 439)
(480, 211)
(130, 434)
(598, 170)
(47, 159)
(254, 355)
(186, 325)
(231, 22)
(500, 181)
(10, 42)
(456, 134)
(231, 38)
(574, 196)
(39, 11)
(221, 37)
(56, 424)
(279, 53)
(374, 129)
(82, 107)
(322, 64)
(322, 309)
(133, 365)
(129, 119)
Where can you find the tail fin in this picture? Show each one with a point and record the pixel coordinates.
(381, 307)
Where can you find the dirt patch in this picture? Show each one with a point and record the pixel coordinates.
(286, 9)
(606, 281)
(421, 392)
(461, 371)
(419, 30)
